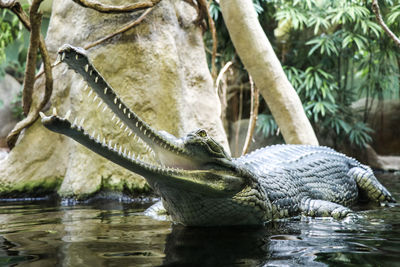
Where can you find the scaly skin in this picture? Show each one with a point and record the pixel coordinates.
(201, 185)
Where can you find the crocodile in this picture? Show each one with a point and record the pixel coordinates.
(201, 185)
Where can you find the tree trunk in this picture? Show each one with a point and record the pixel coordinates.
(259, 58)
(158, 68)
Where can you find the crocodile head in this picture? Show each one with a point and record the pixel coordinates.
(197, 180)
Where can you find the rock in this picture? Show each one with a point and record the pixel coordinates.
(158, 68)
(387, 163)
(9, 89)
(384, 119)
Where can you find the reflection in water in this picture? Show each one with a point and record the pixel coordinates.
(217, 246)
(110, 233)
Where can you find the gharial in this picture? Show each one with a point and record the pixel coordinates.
(201, 185)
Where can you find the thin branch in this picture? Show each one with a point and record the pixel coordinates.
(221, 74)
(29, 79)
(48, 73)
(34, 23)
(377, 11)
(123, 29)
(220, 90)
(253, 115)
(239, 120)
(115, 9)
(204, 8)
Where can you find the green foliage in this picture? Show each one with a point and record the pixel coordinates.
(11, 33)
(266, 125)
(13, 45)
(10, 30)
(349, 57)
(359, 134)
(334, 53)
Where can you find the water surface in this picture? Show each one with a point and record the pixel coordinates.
(111, 233)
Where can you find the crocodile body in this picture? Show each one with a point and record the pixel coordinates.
(200, 184)
(288, 180)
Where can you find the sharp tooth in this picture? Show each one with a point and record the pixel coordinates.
(86, 87)
(86, 67)
(93, 134)
(96, 79)
(110, 143)
(129, 154)
(94, 98)
(130, 132)
(141, 127)
(145, 131)
(125, 152)
(76, 57)
(82, 120)
(67, 114)
(63, 56)
(120, 149)
(100, 102)
(104, 141)
(122, 125)
(54, 112)
(75, 121)
(115, 100)
(126, 128)
(42, 115)
(105, 90)
(124, 110)
(133, 156)
(129, 115)
(98, 138)
(113, 117)
(120, 105)
(118, 120)
(90, 73)
(90, 92)
(115, 146)
(104, 109)
(137, 124)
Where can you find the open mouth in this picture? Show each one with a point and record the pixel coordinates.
(107, 100)
(174, 165)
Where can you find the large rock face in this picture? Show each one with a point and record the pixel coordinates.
(158, 68)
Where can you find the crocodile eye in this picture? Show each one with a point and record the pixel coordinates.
(202, 133)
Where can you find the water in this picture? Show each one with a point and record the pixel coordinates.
(109, 233)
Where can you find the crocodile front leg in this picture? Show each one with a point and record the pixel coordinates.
(323, 208)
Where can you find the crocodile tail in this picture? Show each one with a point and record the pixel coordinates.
(369, 185)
